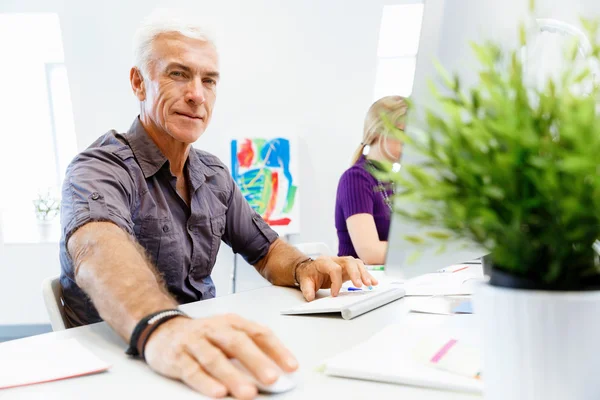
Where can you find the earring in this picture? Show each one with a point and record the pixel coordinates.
(366, 150)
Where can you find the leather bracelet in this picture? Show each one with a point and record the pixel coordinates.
(146, 327)
(296, 283)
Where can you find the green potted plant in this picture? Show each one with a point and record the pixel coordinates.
(515, 168)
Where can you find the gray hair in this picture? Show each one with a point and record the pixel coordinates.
(162, 21)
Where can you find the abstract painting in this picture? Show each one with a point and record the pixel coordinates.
(264, 170)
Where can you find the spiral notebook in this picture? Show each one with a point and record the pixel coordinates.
(349, 304)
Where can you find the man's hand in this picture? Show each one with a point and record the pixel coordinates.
(197, 352)
(331, 272)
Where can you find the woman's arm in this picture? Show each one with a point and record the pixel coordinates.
(365, 239)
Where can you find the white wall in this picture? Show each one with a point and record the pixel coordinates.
(289, 67)
(299, 67)
(22, 270)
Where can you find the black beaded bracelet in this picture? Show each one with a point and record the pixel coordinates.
(146, 326)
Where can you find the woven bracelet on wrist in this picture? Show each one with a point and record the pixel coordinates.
(146, 326)
(296, 283)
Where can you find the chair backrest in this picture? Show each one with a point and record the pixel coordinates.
(52, 293)
(314, 249)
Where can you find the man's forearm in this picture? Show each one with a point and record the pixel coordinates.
(279, 263)
(114, 272)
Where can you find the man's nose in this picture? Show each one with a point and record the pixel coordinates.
(195, 92)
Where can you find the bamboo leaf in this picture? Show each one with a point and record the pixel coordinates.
(446, 77)
(438, 235)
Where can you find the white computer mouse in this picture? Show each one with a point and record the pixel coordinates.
(285, 383)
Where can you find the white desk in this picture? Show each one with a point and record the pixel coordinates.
(311, 338)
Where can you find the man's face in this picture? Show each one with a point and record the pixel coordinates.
(181, 87)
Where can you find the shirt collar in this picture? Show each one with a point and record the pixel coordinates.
(197, 170)
(151, 159)
(147, 154)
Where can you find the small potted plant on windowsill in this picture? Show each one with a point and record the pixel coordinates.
(516, 169)
(47, 207)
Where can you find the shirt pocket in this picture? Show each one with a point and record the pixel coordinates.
(158, 238)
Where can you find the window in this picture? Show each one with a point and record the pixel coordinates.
(38, 135)
(397, 52)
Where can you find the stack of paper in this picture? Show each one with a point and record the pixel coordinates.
(389, 356)
(25, 362)
(444, 305)
(449, 354)
(443, 284)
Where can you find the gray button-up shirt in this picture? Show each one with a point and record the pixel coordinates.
(125, 179)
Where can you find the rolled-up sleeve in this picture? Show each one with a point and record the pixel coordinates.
(97, 187)
(246, 231)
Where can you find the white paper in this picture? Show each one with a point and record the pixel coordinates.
(387, 357)
(23, 362)
(449, 354)
(443, 284)
(443, 305)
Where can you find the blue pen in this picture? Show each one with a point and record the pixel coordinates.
(353, 289)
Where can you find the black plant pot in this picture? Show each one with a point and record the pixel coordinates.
(486, 262)
(500, 278)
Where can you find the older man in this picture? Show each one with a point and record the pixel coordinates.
(143, 216)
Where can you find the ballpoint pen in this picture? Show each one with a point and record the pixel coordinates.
(355, 289)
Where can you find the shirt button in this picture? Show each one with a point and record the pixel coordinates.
(95, 196)
(166, 228)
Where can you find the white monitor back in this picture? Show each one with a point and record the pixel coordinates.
(448, 28)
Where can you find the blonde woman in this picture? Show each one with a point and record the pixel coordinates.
(363, 206)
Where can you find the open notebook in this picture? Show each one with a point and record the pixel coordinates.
(389, 356)
(349, 304)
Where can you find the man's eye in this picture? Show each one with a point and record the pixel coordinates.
(177, 74)
(210, 82)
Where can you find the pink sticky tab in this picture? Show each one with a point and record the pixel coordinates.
(442, 352)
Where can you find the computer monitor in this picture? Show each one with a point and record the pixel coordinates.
(448, 28)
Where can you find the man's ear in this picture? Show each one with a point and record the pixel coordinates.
(137, 83)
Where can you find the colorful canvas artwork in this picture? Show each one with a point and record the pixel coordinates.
(264, 171)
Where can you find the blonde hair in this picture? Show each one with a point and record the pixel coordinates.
(394, 108)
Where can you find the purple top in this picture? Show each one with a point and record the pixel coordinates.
(358, 194)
